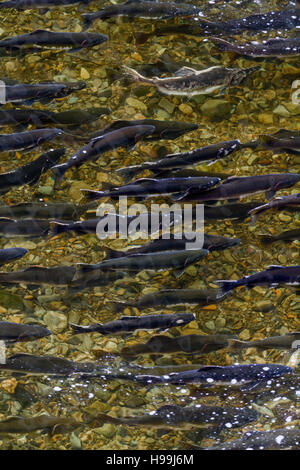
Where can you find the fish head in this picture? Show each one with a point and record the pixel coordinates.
(93, 39)
(183, 319)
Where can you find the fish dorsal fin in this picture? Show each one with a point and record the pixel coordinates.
(96, 139)
(230, 179)
(184, 71)
(143, 180)
(208, 368)
(127, 318)
(274, 266)
(39, 31)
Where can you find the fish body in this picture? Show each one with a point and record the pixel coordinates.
(189, 344)
(36, 117)
(238, 211)
(142, 9)
(285, 47)
(10, 254)
(272, 277)
(180, 160)
(46, 365)
(37, 275)
(14, 332)
(27, 140)
(236, 375)
(43, 92)
(160, 260)
(263, 440)
(211, 243)
(30, 173)
(126, 137)
(169, 297)
(289, 144)
(10, 228)
(43, 210)
(188, 417)
(190, 82)
(279, 203)
(236, 187)
(43, 38)
(145, 187)
(162, 129)
(55, 424)
(288, 235)
(129, 324)
(274, 342)
(288, 18)
(40, 4)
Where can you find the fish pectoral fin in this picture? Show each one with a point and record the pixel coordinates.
(270, 194)
(184, 71)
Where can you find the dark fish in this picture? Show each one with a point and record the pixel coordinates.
(162, 129)
(279, 203)
(14, 332)
(30, 173)
(275, 342)
(24, 227)
(211, 243)
(263, 440)
(44, 210)
(179, 160)
(229, 211)
(190, 344)
(237, 375)
(236, 187)
(168, 297)
(61, 276)
(27, 140)
(126, 137)
(128, 324)
(55, 424)
(283, 47)
(43, 38)
(82, 227)
(161, 260)
(284, 19)
(289, 144)
(10, 254)
(36, 117)
(48, 365)
(142, 9)
(189, 172)
(43, 92)
(190, 82)
(145, 187)
(44, 5)
(272, 277)
(186, 418)
(288, 235)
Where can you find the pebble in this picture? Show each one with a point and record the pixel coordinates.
(245, 335)
(84, 74)
(284, 217)
(56, 322)
(107, 430)
(167, 105)
(216, 109)
(210, 325)
(136, 104)
(111, 347)
(266, 118)
(186, 108)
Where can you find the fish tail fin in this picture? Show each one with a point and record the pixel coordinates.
(87, 21)
(85, 268)
(225, 287)
(102, 418)
(141, 38)
(235, 344)
(137, 76)
(90, 195)
(120, 306)
(129, 172)
(266, 239)
(59, 172)
(111, 254)
(78, 329)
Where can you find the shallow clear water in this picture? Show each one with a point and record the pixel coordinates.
(253, 108)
